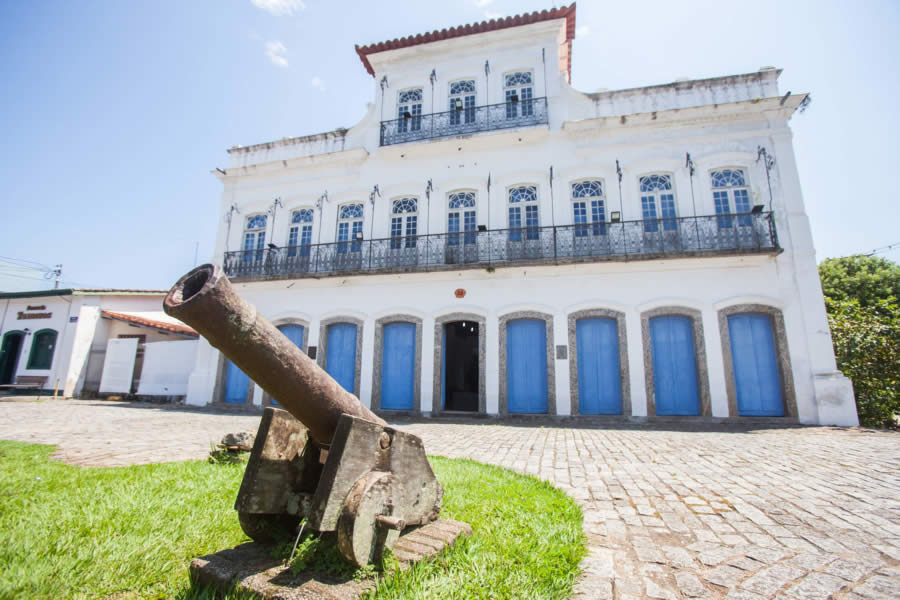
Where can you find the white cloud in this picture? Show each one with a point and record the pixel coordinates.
(275, 50)
(582, 31)
(280, 8)
(317, 83)
(482, 3)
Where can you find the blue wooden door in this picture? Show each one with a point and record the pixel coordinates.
(340, 360)
(599, 382)
(237, 383)
(295, 334)
(756, 378)
(674, 366)
(526, 366)
(398, 366)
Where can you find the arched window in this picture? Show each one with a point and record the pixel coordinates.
(461, 217)
(300, 232)
(350, 226)
(519, 89)
(409, 110)
(254, 237)
(462, 102)
(731, 194)
(42, 348)
(523, 199)
(588, 206)
(657, 193)
(404, 222)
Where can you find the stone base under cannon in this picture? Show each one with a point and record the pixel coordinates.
(251, 567)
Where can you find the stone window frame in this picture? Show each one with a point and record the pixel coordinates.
(625, 380)
(551, 356)
(376, 374)
(322, 349)
(782, 356)
(439, 323)
(266, 398)
(696, 318)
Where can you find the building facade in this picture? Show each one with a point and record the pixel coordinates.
(58, 341)
(488, 239)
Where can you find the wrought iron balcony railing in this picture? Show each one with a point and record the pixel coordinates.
(747, 233)
(531, 111)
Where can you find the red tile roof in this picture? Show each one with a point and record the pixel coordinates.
(564, 12)
(153, 323)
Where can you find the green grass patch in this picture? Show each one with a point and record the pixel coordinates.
(71, 532)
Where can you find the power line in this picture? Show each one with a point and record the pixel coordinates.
(883, 249)
(22, 260)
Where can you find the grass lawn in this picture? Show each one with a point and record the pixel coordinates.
(130, 532)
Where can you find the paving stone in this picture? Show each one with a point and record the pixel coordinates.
(715, 556)
(724, 576)
(745, 563)
(656, 591)
(816, 586)
(647, 552)
(892, 551)
(678, 557)
(809, 561)
(879, 587)
(890, 571)
(738, 594)
(853, 568)
(766, 555)
(593, 588)
(690, 585)
(770, 580)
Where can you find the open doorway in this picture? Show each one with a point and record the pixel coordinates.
(461, 376)
(9, 355)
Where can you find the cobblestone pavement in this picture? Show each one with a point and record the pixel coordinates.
(671, 511)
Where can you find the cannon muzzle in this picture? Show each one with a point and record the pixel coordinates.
(205, 300)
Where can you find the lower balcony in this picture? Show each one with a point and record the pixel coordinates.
(716, 235)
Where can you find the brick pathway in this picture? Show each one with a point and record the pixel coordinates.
(713, 512)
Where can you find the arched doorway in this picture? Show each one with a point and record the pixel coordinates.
(459, 369)
(10, 351)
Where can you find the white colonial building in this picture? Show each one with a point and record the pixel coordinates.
(489, 239)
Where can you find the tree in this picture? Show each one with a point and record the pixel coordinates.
(861, 297)
(866, 279)
(867, 348)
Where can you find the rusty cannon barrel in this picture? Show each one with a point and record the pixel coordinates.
(205, 300)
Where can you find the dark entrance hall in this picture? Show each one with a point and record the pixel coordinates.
(9, 355)
(461, 366)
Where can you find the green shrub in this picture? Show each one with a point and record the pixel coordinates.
(867, 348)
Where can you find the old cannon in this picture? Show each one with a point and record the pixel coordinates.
(326, 458)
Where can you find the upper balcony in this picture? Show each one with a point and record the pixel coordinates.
(464, 121)
(714, 235)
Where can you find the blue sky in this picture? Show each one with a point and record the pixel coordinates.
(114, 113)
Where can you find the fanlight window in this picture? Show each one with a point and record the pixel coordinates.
(461, 217)
(657, 193)
(254, 237)
(523, 197)
(731, 194)
(409, 110)
(519, 94)
(588, 207)
(350, 226)
(462, 102)
(404, 222)
(300, 232)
